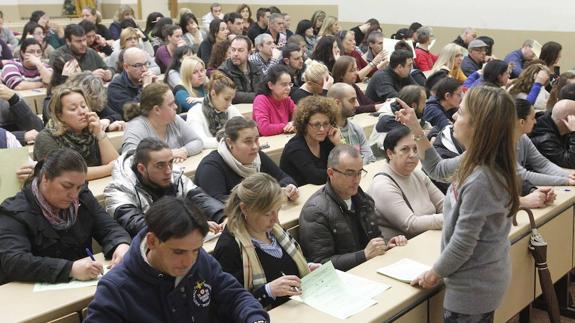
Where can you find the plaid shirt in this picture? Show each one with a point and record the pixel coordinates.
(262, 65)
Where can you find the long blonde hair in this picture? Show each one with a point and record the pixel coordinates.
(524, 82)
(260, 193)
(187, 69)
(328, 22)
(492, 114)
(447, 57)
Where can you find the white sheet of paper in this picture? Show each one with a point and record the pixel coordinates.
(324, 290)
(44, 287)
(389, 45)
(404, 270)
(12, 159)
(211, 236)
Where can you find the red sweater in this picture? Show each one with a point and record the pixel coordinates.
(272, 115)
(424, 60)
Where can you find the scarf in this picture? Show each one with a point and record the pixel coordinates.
(216, 119)
(58, 219)
(82, 143)
(239, 168)
(254, 275)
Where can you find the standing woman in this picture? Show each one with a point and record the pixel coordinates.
(74, 125)
(246, 12)
(193, 36)
(273, 107)
(218, 33)
(478, 207)
(255, 249)
(210, 117)
(193, 84)
(156, 117)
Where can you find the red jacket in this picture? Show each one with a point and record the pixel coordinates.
(424, 60)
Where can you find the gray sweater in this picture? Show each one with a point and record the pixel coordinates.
(474, 258)
(178, 135)
(355, 136)
(541, 170)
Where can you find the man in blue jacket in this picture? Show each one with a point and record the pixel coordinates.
(166, 276)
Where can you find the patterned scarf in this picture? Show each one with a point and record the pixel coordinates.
(216, 119)
(58, 219)
(239, 168)
(78, 142)
(254, 275)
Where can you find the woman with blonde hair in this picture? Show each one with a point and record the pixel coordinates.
(132, 37)
(317, 81)
(329, 27)
(479, 204)
(317, 20)
(74, 125)
(210, 117)
(125, 12)
(155, 116)
(450, 58)
(193, 83)
(530, 85)
(254, 247)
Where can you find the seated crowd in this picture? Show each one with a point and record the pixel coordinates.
(176, 89)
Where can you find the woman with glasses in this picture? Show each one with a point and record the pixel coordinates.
(317, 81)
(30, 72)
(304, 157)
(273, 107)
(406, 201)
(34, 30)
(238, 156)
(132, 37)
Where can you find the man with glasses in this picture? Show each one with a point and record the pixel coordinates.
(351, 134)
(88, 59)
(146, 174)
(127, 86)
(264, 58)
(475, 57)
(337, 222)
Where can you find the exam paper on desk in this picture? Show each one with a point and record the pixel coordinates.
(44, 287)
(404, 270)
(337, 293)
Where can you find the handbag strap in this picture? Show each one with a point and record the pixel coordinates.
(402, 194)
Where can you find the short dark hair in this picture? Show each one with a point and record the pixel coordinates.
(244, 38)
(147, 145)
(274, 9)
(550, 52)
(173, 218)
(393, 137)
(444, 86)
(26, 42)
(523, 108)
(302, 26)
(337, 151)
(567, 92)
(273, 75)
(168, 30)
(60, 161)
(88, 26)
(289, 48)
(36, 15)
(231, 17)
(399, 57)
(261, 12)
(235, 125)
(73, 30)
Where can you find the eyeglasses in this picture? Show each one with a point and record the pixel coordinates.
(319, 125)
(37, 52)
(140, 65)
(290, 85)
(351, 173)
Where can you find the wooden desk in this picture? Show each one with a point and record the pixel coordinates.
(246, 109)
(19, 304)
(34, 98)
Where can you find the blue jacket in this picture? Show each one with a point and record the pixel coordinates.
(515, 57)
(121, 91)
(136, 292)
(435, 114)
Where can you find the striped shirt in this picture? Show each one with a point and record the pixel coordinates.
(15, 73)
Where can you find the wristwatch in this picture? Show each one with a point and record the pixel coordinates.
(419, 137)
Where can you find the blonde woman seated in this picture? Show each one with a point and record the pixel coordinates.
(156, 117)
(193, 83)
(406, 201)
(254, 247)
(132, 37)
(74, 125)
(317, 81)
(449, 61)
(209, 117)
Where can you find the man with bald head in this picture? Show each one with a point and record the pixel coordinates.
(554, 134)
(127, 86)
(352, 134)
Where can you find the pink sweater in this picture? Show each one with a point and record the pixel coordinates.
(272, 115)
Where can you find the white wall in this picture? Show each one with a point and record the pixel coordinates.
(546, 15)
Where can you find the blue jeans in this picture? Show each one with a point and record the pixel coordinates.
(452, 317)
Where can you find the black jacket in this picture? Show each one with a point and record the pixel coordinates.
(246, 84)
(551, 144)
(329, 231)
(32, 250)
(386, 84)
(218, 179)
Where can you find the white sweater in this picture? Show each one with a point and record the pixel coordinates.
(199, 123)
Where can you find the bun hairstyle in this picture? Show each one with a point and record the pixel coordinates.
(152, 95)
(220, 81)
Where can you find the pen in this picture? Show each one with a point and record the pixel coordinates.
(294, 287)
(90, 254)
